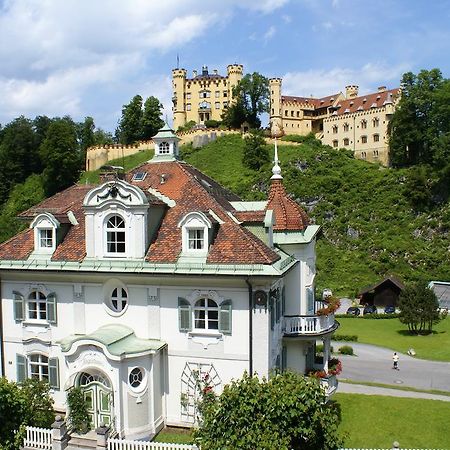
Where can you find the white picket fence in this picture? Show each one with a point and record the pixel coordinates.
(123, 444)
(38, 438)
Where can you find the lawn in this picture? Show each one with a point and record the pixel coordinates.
(174, 435)
(390, 333)
(373, 421)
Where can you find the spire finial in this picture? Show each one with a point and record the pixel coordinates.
(276, 169)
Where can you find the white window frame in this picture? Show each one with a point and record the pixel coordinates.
(33, 298)
(45, 223)
(164, 148)
(120, 299)
(210, 315)
(195, 222)
(40, 367)
(107, 230)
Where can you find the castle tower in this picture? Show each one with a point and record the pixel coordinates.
(234, 73)
(351, 91)
(178, 98)
(276, 123)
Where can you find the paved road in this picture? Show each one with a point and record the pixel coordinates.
(375, 364)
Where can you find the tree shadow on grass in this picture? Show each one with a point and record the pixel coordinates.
(423, 333)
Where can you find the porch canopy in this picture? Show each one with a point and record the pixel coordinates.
(118, 342)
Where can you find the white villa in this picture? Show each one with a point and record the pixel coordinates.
(132, 288)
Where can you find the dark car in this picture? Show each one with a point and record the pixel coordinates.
(353, 311)
(370, 309)
(389, 310)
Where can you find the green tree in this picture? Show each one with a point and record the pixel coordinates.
(151, 119)
(60, 156)
(130, 124)
(419, 308)
(415, 125)
(86, 133)
(27, 404)
(250, 98)
(19, 155)
(40, 127)
(288, 411)
(255, 154)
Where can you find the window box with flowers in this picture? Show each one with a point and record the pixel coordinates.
(334, 368)
(331, 306)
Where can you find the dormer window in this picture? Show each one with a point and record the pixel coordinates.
(45, 228)
(195, 229)
(115, 235)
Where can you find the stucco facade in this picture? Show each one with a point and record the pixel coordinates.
(357, 123)
(204, 96)
(133, 289)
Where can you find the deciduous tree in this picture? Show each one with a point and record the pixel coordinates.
(419, 308)
(151, 119)
(255, 151)
(286, 412)
(130, 124)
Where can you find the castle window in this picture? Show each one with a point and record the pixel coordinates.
(225, 104)
(335, 130)
(376, 122)
(363, 155)
(188, 106)
(346, 142)
(217, 94)
(335, 143)
(298, 113)
(376, 138)
(292, 113)
(188, 96)
(346, 127)
(364, 139)
(225, 93)
(115, 235)
(286, 113)
(375, 154)
(363, 124)
(217, 105)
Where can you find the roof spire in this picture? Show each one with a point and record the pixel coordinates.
(276, 169)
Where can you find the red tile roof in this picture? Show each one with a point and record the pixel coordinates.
(288, 214)
(366, 102)
(322, 102)
(191, 191)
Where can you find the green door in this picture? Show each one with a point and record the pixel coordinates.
(98, 396)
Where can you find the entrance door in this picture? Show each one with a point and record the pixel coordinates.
(98, 395)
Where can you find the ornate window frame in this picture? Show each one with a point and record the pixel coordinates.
(107, 230)
(195, 227)
(45, 227)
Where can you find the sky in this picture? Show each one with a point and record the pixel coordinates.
(89, 58)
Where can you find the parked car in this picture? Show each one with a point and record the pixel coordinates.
(370, 309)
(353, 311)
(389, 310)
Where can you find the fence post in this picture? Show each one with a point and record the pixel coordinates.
(102, 437)
(59, 434)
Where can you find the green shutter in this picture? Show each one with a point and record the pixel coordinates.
(51, 307)
(272, 310)
(310, 295)
(53, 372)
(283, 301)
(284, 358)
(278, 305)
(19, 306)
(21, 368)
(184, 315)
(225, 312)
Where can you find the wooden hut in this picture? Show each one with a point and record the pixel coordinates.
(384, 293)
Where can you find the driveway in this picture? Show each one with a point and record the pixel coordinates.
(375, 364)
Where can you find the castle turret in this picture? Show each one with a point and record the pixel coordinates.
(234, 72)
(276, 123)
(178, 98)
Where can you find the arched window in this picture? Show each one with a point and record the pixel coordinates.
(206, 314)
(376, 121)
(363, 124)
(38, 366)
(346, 142)
(376, 138)
(119, 299)
(164, 148)
(346, 126)
(335, 129)
(37, 306)
(115, 235)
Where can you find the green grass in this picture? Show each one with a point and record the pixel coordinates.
(394, 335)
(396, 387)
(373, 421)
(128, 163)
(174, 436)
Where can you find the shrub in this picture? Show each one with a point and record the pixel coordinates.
(211, 123)
(380, 316)
(345, 337)
(346, 350)
(319, 348)
(79, 419)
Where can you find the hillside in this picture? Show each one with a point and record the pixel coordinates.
(368, 226)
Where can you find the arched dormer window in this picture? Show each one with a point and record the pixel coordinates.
(45, 229)
(115, 235)
(195, 229)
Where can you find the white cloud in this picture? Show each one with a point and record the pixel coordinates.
(320, 83)
(270, 33)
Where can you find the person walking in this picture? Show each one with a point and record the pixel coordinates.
(395, 360)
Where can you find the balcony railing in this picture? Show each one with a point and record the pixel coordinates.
(329, 384)
(308, 325)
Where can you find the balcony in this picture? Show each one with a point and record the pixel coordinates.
(295, 326)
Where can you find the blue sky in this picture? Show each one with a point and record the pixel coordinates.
(83, 58)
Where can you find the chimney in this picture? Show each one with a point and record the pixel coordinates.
(382, 89)
(194, 73)
(351, 91)
(205, 71)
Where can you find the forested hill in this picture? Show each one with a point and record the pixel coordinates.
(374, 220)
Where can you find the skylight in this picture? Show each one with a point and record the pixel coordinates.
(139, 176)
